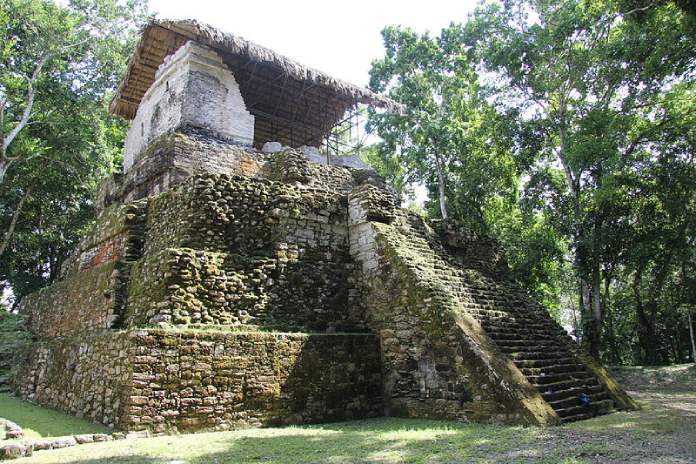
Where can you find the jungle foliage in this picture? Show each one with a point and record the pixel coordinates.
(58, 67)
(566, 129)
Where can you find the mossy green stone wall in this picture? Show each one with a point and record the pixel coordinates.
(173, 381)
(193, 380)
(82, 302)
(88, 375)
(183, 286)
(248, 216)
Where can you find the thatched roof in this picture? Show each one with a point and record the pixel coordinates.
(292, 104)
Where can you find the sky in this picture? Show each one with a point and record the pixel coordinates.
(339, 38)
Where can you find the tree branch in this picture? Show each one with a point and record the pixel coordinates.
(26, 114)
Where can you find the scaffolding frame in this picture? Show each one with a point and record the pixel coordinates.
(346, 137)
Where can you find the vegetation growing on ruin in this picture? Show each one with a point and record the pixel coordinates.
(40, 422)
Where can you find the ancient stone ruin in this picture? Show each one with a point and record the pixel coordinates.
(227, 285)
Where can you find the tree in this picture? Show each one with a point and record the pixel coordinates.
(58, 66)
(440, 138)
(582, 74)
(432, 84)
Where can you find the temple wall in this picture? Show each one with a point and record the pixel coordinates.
(240, 251)
(249, 216)
(173, 381)
(209, 380)
(185, 286)
(174, 157)
(87, 375)
(90, 294)
(81, 302)
(192, 87)
(110, 240)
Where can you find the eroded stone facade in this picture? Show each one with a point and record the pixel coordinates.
(166, 312)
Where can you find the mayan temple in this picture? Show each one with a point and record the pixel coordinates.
(237, 277)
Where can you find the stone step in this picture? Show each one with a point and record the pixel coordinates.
(545, 379)
(519, 326)
(555, 394)
(580, 413)
(506, 323)
(567, 383)
(526, 336)
(553, 369)
(594, 409)
(539, 355)
(541, 342)
(574, 400)
(540, 363)
(519, 351)
(577, 417)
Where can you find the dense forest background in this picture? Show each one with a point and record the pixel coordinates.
(565, 129)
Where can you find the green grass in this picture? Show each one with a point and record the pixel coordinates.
(38, 422)
(384, 440)
(661, 432)
(680, 377)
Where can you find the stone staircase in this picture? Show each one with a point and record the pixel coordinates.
(521, 328)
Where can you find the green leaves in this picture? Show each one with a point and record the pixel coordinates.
(566, 129)
(70, 140)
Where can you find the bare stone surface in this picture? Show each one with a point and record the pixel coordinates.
(271, 147)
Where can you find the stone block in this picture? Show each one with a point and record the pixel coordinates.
(272, 147)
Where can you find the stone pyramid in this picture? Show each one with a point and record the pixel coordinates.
(225, 285)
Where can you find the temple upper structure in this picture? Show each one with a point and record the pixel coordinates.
(290, 103)
(192, 87)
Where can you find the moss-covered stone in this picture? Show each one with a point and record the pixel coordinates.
(190, 309)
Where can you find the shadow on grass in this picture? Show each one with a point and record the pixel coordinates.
(663, 413)
(368, 441)
(39, 422)
(387, 440)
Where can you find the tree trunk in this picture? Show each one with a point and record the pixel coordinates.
(647, 337)
(609, 317)
(13, 224)
(4, 165)
(590, 294)
(441, 189)
(691, 336)
(591, 314)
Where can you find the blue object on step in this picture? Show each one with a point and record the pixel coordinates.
(584, 399)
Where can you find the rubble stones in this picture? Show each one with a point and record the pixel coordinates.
(12, 430)
(15, 450)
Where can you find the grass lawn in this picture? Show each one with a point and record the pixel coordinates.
(38, 422)
(664, 431)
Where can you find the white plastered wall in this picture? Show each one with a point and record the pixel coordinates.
(192, 87)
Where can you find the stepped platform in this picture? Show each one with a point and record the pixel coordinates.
(232, 281)
(232, 300)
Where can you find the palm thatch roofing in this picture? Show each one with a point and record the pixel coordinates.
(291, 103)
